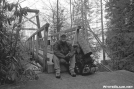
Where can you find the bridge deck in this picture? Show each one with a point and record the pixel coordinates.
(96, 81)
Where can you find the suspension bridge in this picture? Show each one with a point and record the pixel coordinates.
(40, 45)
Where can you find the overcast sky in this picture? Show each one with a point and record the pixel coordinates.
(42, 5)
(45, 5)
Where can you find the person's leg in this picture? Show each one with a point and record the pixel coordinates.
(63, 61)
(56, 66)
(72, 66)
(72, 63)
(65, 64)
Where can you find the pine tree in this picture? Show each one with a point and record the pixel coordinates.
(120, 32)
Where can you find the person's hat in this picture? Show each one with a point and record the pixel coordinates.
(63, 35)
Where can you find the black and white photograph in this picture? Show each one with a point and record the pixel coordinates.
(66, 44)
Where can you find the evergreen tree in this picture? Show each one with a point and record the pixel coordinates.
(120, 33)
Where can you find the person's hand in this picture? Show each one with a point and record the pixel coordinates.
(67, 58)
(69, 54)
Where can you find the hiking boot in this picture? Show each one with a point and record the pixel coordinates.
(57, 75)
(72, 73)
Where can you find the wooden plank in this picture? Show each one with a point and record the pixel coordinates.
(41, 29)
(33, 10)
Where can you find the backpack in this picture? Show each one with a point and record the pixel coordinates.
(84, 64)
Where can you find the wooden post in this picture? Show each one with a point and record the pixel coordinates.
(51, 43)
(38, 25)
(76, 35)
(25, 44)
(78, 30)
(29, 45)
(33, 45)
(37, 46)
(45, 47)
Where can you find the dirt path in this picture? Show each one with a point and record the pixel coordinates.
(96, 81)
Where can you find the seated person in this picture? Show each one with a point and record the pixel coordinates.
(63, 52)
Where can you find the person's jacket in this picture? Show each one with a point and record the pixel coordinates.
(61, 49)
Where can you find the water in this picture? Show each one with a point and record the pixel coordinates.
(101, 56)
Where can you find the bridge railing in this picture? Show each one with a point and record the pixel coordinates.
(33, 44)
